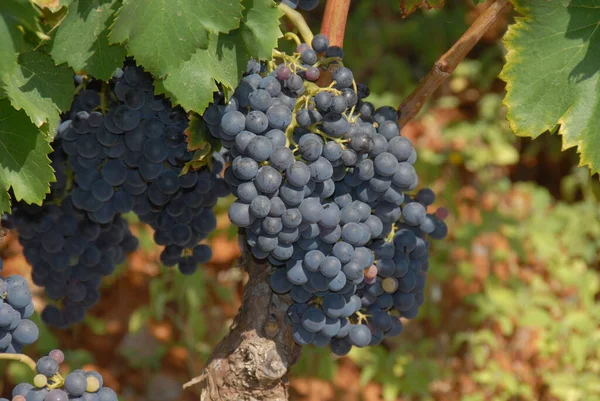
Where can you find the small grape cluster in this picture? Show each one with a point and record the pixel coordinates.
(16, 306)
(121, 149)
(68, 251)
(50, 385)
(322, 181)
(132, 158)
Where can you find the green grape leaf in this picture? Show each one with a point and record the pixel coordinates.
(552, 73)
(39, 87)
(161, 34)
(24, 162)
(198, 135)
(11, 38)
(260, 27)
(20, 12)
(81, 40)
(410, 6)
(193, 83)
(4, 201)
(201, 141)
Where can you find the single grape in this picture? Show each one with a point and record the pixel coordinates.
(359, 335)
(283, 72)
(75, 384)
(47, 366)
(320, 43)
(57, 355)
(312, 73)
(233, 122)
(313, 319)
(343, 77)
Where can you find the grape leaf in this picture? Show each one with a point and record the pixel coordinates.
(260, 27)
(161, 34)
(193, 83)
(202, 142)
(198, 136)
(410, 6)
(11, 38)
(20, 12)
(39, 87)
(4, 201)
(552, 73)
(24, 162)
(82, 39)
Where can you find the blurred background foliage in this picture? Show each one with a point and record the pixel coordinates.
(512, 310)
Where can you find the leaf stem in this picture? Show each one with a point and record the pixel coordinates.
(20, 358)
(334, 21)
(299, 22)
(449, 61)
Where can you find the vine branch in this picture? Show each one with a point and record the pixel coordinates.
(449, 61)
(252, 362)
(334, 21)
(299, 22)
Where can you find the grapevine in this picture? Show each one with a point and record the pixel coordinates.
(163, 116)
(322, 181)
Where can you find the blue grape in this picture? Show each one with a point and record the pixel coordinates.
(313, 319)
(233, 122)
(75, 384)
(279, 117)
(302, 336)
(359, 335)
(320, 42)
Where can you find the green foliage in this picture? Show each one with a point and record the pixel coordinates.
(81, 40)
(565, 238)
(24, 163)
(161, 34)
(488, 137)
(407, 370)
(192, 82)
(315, 362)
(39, 88)
(15, 14)
(552, 73)
(397, 62)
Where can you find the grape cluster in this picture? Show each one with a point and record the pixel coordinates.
(16, 306)
(322, 181)
(50, 385)
(121, 149)
(68, 251)
(132, 158)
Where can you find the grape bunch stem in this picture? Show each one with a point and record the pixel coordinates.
(20, 358)
(299, 22)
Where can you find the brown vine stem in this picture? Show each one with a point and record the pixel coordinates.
(334, 21)
(449, 61)
(252, 362)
